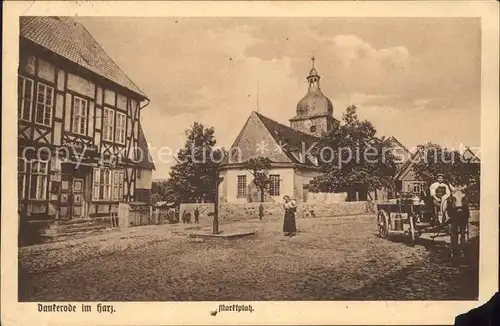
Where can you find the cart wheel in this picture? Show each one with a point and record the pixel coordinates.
(383, 224)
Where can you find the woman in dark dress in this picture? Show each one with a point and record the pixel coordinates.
(290, 207)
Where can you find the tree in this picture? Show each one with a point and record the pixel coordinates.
(155, 198)
(259, 168)
(351, 156)
(194, 175)
(163, 190)
(434, 159)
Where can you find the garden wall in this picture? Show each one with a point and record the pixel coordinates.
(274, 210)
(204, 209)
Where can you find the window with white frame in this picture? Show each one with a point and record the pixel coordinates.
(121, 119)
(79, 116)
(417, 188)
(108, 184)
(44, 103)
(274, 184)
(25, 98)
(21, 177)
(102, 184)
(108, 122)
(242, 186)
(38, 179)
(118, 185)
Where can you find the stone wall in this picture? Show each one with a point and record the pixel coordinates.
(326, 198)
(205, 210)
(274, 210)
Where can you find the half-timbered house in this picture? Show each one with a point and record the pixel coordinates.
(78, 125)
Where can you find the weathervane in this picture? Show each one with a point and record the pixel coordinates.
(312, 59)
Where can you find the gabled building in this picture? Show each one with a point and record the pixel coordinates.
(399, 151)
(290, 170)
(407, 181)
(81, 149)
(292, 150)
(471, 157)
(145, 168)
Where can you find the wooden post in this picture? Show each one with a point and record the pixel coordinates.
(215, 226)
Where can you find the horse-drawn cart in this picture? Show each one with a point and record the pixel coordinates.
(405, 217)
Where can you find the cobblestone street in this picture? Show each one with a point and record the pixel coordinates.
(330, 259)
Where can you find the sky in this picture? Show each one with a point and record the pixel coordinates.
(417, 79)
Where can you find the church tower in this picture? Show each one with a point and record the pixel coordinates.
(314, 111)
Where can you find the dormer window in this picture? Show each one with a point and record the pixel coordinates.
(312, 128)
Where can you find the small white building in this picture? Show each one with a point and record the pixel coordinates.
(290, 149)
(293, 152)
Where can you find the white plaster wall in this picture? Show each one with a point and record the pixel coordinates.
(146, 179)
(229, 187)
(307, 176)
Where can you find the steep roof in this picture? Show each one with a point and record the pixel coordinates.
(262, 132)
(146, 159)
(395, 144)
(394, 141)
(470, 156)
(71, 40)
(408, 165)
(467, 155)
(287, 135)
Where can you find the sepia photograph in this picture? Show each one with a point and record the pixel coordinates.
(245, 159)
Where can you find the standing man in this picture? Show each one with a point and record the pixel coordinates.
(439, 192)
(261, 212)
(197, 215)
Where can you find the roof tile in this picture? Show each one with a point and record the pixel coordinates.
(71, 40)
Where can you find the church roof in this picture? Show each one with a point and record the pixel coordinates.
(313, 72)
(314, 103)
(71, 40)
(282, 133)
(282, 142)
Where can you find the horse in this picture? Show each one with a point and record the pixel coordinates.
(457, 210)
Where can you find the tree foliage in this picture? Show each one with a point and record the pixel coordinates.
(351, 156)
(434, 159)
(155, 198)
(259, 168)
(194, 175)
(163, 190)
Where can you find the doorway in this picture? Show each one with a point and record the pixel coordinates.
(72, 204)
